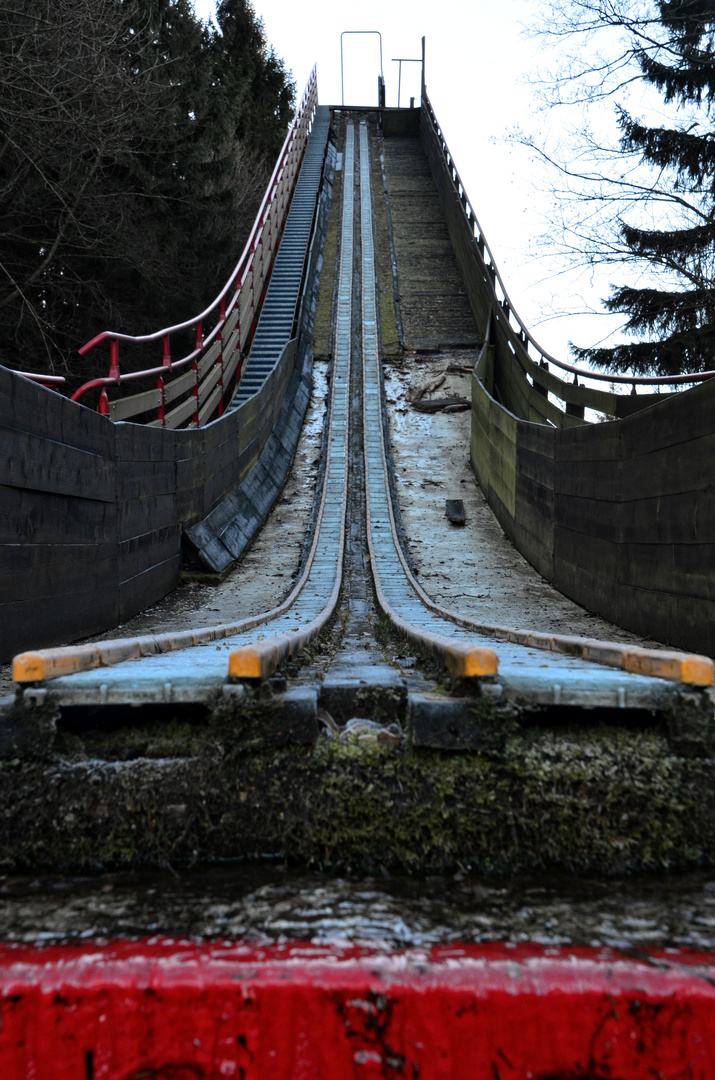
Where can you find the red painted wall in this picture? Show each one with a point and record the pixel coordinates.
(164, 1010)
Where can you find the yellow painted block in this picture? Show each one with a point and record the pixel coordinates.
(698, 670)
(257, 661)
(52, 663)
(610, 653)
(28, 667)
(466, 661)
(677, 667)
(115, 652)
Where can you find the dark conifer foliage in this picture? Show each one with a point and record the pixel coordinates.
(676, 321)
(135, 145)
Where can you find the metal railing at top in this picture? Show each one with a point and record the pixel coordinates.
(213, 367)
(516, 324)
(49, 381)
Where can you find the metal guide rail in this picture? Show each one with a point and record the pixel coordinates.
(200, 665)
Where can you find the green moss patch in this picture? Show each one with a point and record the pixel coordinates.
(605, 801)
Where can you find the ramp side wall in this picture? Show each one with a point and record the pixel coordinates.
(93, 512)
(619, 516)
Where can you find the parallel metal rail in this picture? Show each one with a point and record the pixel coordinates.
(199, 664)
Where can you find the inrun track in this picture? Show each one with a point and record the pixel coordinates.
(253, 650)
(367, 259)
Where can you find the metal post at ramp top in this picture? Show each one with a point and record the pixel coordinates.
(342, 79)
(406, 60)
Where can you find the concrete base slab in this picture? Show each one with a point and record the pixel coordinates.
(296, 722)
(447, 723)
(374, 691)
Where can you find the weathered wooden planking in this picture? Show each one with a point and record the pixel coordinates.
(31, 461)
(683, 518)
(683, 467)
(57, 617)
(124, 408)
(39, 571)
(33, 517)
(26, 406)
(145, 588)
(141, 552)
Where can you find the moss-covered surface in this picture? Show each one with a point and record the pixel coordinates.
(604, 801)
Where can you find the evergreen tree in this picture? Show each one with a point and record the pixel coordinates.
(674, 312)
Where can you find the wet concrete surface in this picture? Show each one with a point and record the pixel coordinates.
(268, 902)
(474, 568)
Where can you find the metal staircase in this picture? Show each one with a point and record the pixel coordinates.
(275, 327)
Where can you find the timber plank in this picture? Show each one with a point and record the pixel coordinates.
(32, 517)
(26, 406)
(588, 552)
(685, 569)
(139, 553)
(29, 571)
(138, 443)
(589, 517)
(143, 479)
(683, 518)
(32, 461)
(689, 412)
(589, 587)
(685, 467)
(534, 544)
(139, 592)
(146, 514)
(54, 619)
(688, 624)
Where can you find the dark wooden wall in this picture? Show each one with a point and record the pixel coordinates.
(619, 515)
(91, 512)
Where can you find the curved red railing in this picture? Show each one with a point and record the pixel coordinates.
(49, 381)
(503, 297)
(201, 390)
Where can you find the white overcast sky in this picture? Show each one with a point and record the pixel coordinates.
(477, 61)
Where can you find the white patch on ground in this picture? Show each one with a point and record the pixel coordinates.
(473, 569)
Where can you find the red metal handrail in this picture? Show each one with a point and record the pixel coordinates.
(45, 380)
(505, 302)
(248, 279)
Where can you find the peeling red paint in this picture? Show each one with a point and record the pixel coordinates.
(175, 1010)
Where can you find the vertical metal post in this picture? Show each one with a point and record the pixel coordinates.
(404, 60)
(114, 359)
(342, 81)
(161, 413)
(195, 392)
